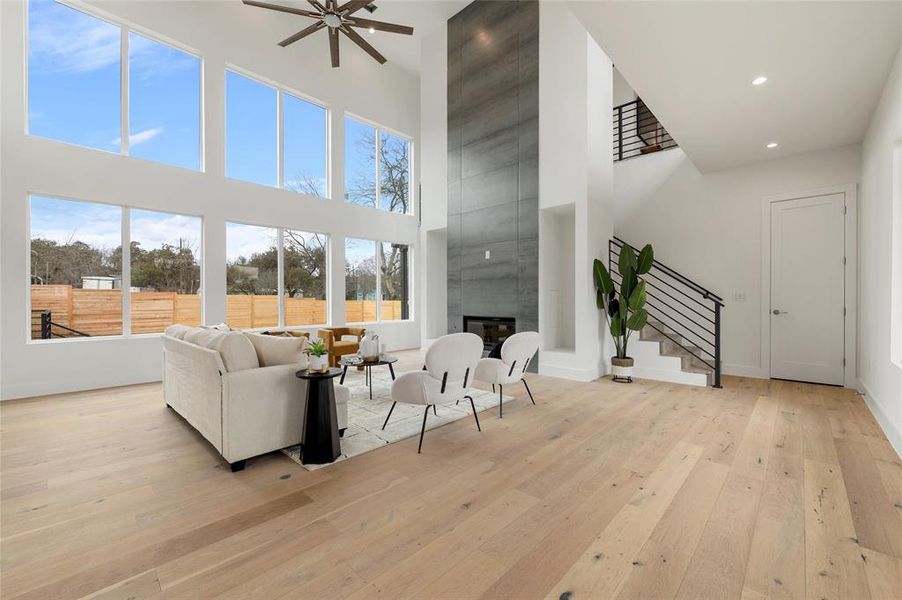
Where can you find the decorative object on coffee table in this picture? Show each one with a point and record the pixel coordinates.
(369, 346)
(623, 311)
(321, 439)
(317, 355)
(354, 361)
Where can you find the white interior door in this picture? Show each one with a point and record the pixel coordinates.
(807, 289)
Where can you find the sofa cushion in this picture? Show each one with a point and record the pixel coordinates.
(219, 327)
(236, 351)
(276, 350)
(177, 331)
(192, 334)
(205, 337)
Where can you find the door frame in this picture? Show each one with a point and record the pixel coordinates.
(850, 337)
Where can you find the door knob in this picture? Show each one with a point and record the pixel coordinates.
(777, 311)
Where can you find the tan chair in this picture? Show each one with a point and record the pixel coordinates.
(338, 347)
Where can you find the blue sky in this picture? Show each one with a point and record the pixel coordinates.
(100, 225)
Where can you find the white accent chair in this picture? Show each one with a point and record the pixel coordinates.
(446, 377)
(516, 354)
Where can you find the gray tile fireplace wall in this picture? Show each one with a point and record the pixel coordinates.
(493, 163)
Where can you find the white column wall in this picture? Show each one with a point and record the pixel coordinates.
(575, 169)
(223, 33)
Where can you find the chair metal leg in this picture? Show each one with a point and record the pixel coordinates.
(423, 429)
(388, 415)
(528, 392)
(500, 401)
(475, 416)
(493, 388)
(434, 410)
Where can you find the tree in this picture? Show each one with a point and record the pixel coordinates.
(69, 262)
(168, 268)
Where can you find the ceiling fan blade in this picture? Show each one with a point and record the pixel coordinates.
(333, 46)
(355, 37)
(381, 26)
(332, 5)
(280, 8)
(317, 5)
(302, 34)
(353, 6)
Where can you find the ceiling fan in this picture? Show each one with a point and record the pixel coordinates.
(337, 19)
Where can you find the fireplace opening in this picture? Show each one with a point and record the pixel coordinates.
(492, 330)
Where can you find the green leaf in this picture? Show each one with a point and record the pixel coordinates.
(637, 320)
(627, 262)
(646, 260)
(616, 326)
(603, 281)
(599, 299)
(629, 285)
(637, 298)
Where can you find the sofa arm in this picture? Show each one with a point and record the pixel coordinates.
(262, 411)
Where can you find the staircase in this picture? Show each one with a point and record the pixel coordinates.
(681, 340)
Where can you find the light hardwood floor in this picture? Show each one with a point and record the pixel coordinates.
(761, 489)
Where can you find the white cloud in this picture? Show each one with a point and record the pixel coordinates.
(247, 240)
(64, 40)
(140, 137)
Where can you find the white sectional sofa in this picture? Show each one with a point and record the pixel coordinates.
(239, 390)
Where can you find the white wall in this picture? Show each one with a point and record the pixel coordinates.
(708, 226)
(575, 168)
(434, 181)
(223, 33)
(880, 259)
(623, 93)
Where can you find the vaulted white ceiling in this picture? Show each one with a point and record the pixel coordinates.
(693, 63)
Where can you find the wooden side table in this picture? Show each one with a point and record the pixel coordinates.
(321, 440)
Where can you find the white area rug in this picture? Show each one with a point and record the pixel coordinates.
(365, 416)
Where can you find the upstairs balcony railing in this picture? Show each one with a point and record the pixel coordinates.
(637, 131)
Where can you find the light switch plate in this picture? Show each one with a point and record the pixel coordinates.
(738, 296)
(488, 254)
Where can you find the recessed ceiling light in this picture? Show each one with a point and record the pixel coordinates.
(759, 80)
(772, 145)
(372, 30)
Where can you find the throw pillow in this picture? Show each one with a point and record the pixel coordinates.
(236, 350)
(177, 331)
(276, 350)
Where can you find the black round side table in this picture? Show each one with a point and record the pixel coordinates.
(321, 441)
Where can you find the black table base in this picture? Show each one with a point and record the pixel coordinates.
(321, 439)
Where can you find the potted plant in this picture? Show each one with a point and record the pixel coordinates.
(624, 310)
(317, 355)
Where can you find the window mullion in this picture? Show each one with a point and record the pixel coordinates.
(280, 139)
(378, 294)
(123, 90)
(280, 275)
(126, 272)
(378, 150)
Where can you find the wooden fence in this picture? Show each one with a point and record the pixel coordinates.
(99, 312)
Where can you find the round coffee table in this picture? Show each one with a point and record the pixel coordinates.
(384, 359)
(321, 440)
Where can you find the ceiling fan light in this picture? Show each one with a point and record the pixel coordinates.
(332, 20)
(372, 30)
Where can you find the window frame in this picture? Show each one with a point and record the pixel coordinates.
(411, 316)
(126, 273)
(380, 129)
(124, 108)
(280, 273)
(281, 90)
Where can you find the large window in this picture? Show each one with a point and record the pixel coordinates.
(257, 272)
(165, 270)
(394, 270)
(75, 87)
(252, 276)
(164, 103)
(377, 281)
(257, 117)
(77, 277)
(382, 183)
(304, 276)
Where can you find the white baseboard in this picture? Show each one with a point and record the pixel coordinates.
(35, 389)
(564, 372)
(892, 431)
